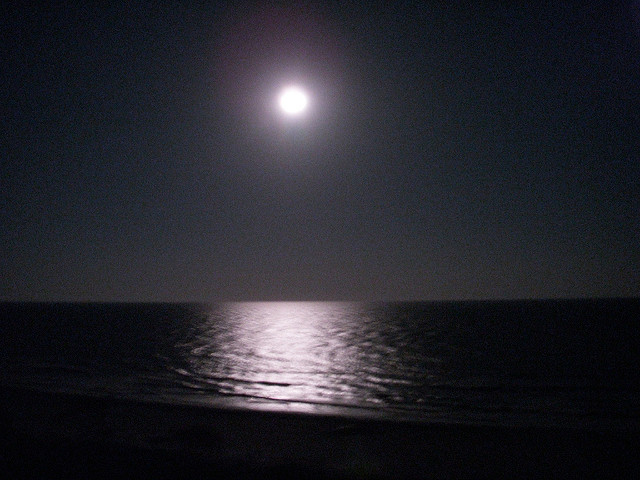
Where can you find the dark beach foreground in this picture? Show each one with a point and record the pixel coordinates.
(72, 436)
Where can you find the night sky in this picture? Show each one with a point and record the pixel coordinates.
(447, 153)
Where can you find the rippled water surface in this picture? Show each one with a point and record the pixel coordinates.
(528, 361)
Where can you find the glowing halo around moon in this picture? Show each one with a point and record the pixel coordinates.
(293, 101)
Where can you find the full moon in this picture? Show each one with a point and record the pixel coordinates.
(293, 100)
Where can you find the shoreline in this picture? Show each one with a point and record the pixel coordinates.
(78, 436)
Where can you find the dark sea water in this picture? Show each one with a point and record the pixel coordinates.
(552, 362)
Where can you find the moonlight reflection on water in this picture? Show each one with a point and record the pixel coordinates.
(289, 351)
(543, 362)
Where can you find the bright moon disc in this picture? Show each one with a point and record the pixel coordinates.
(293, 100)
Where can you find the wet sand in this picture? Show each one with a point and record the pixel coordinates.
(47, 435)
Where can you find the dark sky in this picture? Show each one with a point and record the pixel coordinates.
(449, 153)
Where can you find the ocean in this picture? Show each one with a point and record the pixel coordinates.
(536, 362)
